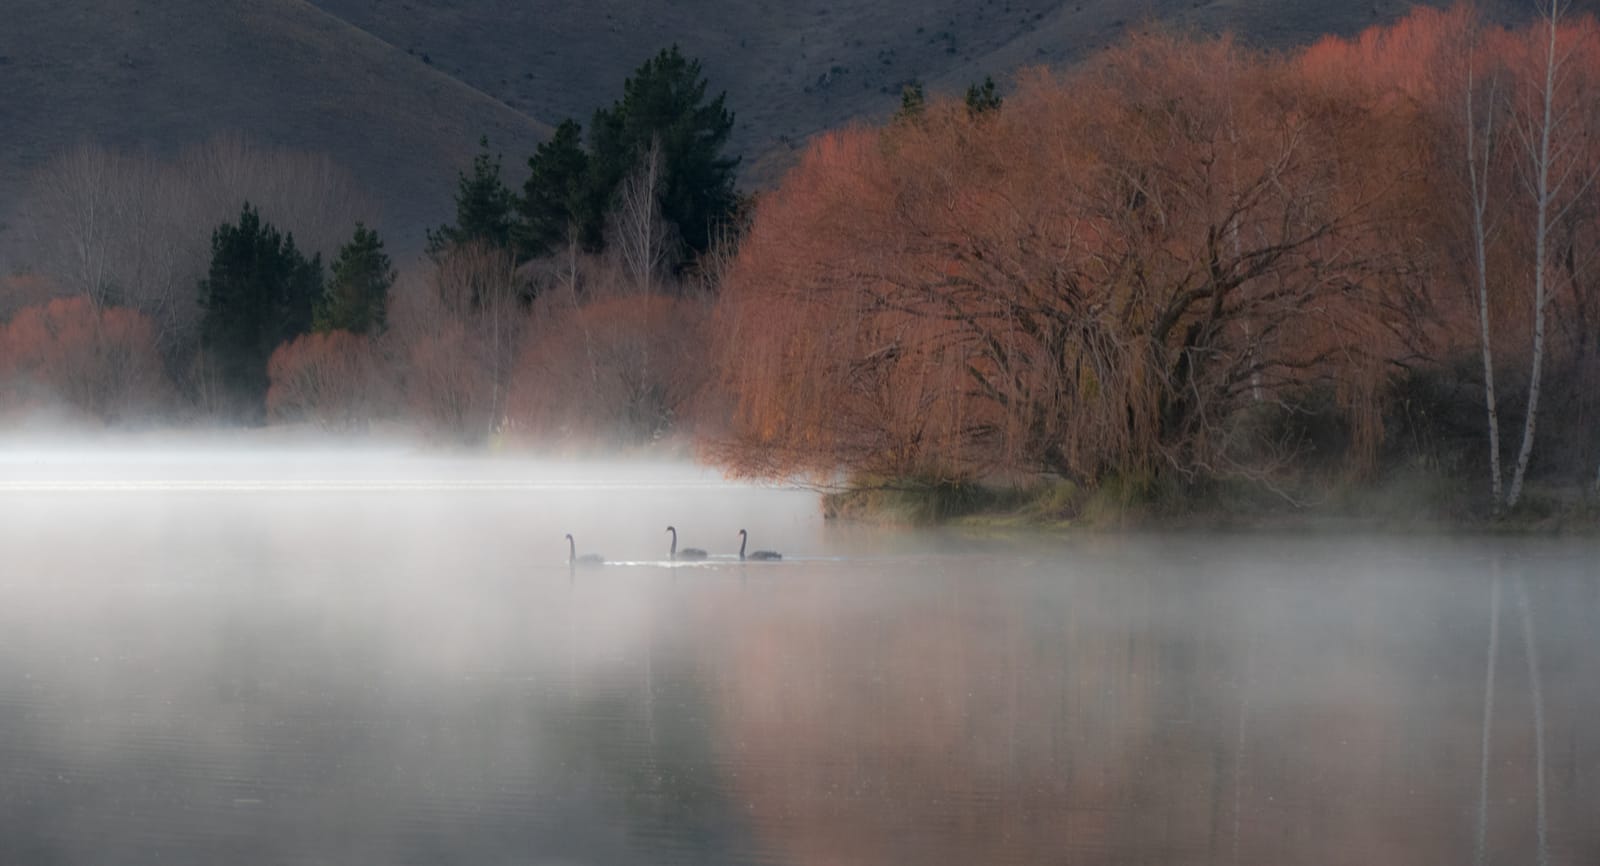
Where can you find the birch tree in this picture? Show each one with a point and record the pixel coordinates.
(1548, 127)
(73, 215)
(1481, 108)
(442, 383)
(638, 230)
(129, 229)
(478, 285)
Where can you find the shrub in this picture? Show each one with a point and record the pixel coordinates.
(623, 369)
(101, 362)
(330, 379)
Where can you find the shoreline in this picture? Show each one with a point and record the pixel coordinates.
(1376, 510)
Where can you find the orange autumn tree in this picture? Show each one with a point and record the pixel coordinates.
(1095, 279)
(455, 326)
(445, 388)
(619, 370)
(99, 361)
(329, 379)
(1511, 133)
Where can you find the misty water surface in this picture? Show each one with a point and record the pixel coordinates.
(347, 657)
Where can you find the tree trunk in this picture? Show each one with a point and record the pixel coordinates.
(1480, 202)
(641, 236)
(1542, 201)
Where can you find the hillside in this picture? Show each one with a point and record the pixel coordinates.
(161, 76)
(400, 90)
(792, 68)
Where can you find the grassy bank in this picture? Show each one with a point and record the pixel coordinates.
(1407, 501)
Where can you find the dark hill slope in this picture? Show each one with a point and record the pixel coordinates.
(163, 74)
(794, 67)
(400, 90)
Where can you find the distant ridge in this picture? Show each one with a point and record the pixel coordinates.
(796, 67)
(161, 76)
(399, 91)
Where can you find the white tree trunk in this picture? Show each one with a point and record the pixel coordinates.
(570, 278)
(642, 241)
(641, 234)
(501, 305)
(1478, 177)
(74, 214)
(1539, 162)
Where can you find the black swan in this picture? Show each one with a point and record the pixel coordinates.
(687, 552)
(769, 555)
(587, 559)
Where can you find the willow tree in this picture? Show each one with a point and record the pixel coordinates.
(1027, 290)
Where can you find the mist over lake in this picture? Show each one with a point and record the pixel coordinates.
(354, 656)
(837, 433)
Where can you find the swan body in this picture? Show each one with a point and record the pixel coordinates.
(587, 559)
(687, 552)
(762, 555)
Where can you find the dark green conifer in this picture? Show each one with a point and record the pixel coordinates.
(257, 293)
(553, 198)
(984, 98)
(913, 101)
(357, 296)
(484, 207)
(665, 100)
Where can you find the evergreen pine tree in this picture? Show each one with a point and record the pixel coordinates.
(912, 102)
(664, 101)
(484, 207)
(553, 199)
(984, 98)
(257, 293)
(356, 297)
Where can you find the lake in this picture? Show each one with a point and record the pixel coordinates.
(306, 657)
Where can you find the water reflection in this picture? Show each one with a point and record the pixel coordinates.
(373, 678)
(1301, 702)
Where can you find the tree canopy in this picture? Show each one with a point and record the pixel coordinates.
(485, 207)
(356, 298)
(949, 298)
(257, 293)
(665, 101)
(983, 98)
(913, 100)
(553, 199)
